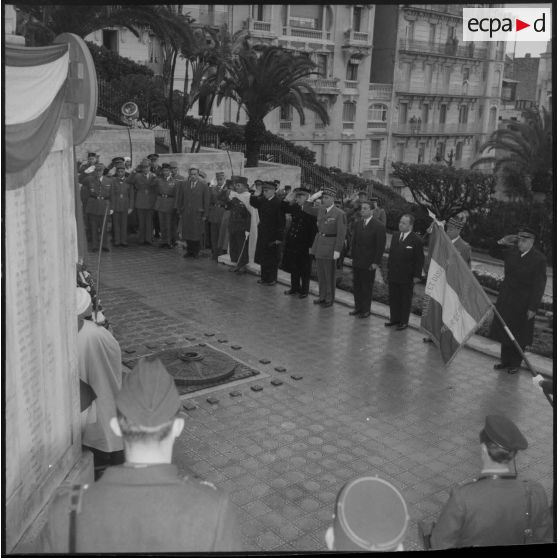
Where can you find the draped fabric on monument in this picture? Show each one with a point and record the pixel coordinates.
(35, 87)
(454, 302)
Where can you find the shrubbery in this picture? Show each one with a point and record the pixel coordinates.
(110, 65)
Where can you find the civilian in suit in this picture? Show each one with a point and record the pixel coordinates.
(164, 205)
(406, 258)
(328, 242)
(369, 241)
(270, 231)
(218, 197)
(145, 194)
(519, 297)
(96, 190)
(122, 200)
(192, 203)
(300, 236)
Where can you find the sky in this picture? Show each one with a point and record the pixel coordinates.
(534, 48)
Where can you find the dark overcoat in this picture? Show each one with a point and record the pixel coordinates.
(300, 235)
(521, 290)
(270, 228)
(369, 243)
(192, 202)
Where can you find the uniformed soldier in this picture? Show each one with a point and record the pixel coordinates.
(110, 170)
(370, 514)
(88, 167)
(497, 508)
(164, 205)
(145, 193)
(328, 243)
(155, 169)
(143, 506)
(96, 192)
(122, 200)
(174, 171)
(297, 259)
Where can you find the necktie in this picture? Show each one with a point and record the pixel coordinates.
(401, 238)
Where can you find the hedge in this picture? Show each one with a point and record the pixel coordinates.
(110, 65)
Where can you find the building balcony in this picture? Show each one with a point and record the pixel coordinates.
(444, 49)
(315, 34)
(377, 127)
(380, 91)
(351, 84)
(259, 27)
(432, 128)
(324, 86)
(212, 18)
(464, 90)
(356, 38)
(348, 125)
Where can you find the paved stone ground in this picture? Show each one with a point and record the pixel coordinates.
(370, 401)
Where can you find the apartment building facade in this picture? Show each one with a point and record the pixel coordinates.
(398, 81)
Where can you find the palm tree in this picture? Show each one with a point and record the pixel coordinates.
(262, 81)
(523, 149)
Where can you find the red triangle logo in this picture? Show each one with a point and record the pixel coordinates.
(519, 25)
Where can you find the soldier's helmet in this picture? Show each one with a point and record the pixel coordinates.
(370, 514)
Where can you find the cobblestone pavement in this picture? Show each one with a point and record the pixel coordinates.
(370, 400)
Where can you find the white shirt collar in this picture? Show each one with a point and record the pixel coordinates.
(405, 235)
(366, 221)
(328, 208)
(525, 253)
(454, 240)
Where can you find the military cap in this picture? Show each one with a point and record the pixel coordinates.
(165, 166)
(220, 173)
(117, 160)
(329, 192)
(153, 156)
(143, 163)
(235, 179)
(148, 396)
(301, 191)
(370, 514)
(91, 154)
(269, 185)
(258, 181)
(83, 300)
(456, 223)
(526, 232)
(173, 164)
(99, 164)
(503, 432)
(120, 166)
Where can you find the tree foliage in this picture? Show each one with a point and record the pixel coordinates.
(263, 81)
(524, 149)
(110, 65)
(447, 191)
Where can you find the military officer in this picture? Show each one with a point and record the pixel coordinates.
(145, 193)
(174, 171)
(192, 202)
(122, 200)
(144, 505)
(497, 508)
(218, 195)
(300, 236)
(270, 231)
(96, 190)
(111, 169)
(88, 167)
(154, 166)
(165, 205)
(328, 242)
(519, 297)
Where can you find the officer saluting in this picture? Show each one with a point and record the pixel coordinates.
(497, 508)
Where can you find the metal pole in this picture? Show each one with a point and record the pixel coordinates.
(99, 261)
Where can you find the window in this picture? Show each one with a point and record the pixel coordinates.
(352, 71)
(410, 30)
(425, 113)
(400, 152)
(319, 150)
(432, 33)
(428, 76)
(322, 63)
(459, 151)
(286, 113)
(443, 111)
(349, 111)
(357, 18)
(403, 113)
(258, 12)
(463, 114)
(307, 16)
(466, 74)
(441, 150)
(375, 150)
(420, 158)
(447, 77)
(377, 113)
(110, 40)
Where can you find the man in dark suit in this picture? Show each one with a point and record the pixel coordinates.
(270, 231)
(406, 258)
(520, 296)
(369, 241)
(328, 243)
(297, 259)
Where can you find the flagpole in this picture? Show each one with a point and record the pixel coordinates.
(516, 344)
(99, 262)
